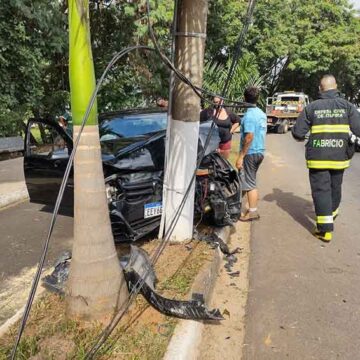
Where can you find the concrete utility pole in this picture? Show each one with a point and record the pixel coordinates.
(184, 128)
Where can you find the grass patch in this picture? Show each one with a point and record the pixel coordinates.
(143, 334)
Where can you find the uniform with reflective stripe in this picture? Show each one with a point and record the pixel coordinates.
(329, 120)
(331, 128)
(325, 219)
(325, 164)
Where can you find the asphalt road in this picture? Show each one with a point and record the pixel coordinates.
(304, 296)
(11, 170)
(23, 229)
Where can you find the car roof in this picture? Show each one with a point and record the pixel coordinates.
(129, 112)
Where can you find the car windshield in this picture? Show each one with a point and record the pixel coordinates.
(125, 126)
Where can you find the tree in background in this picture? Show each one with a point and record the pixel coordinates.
(96, 284)
(293, 42)
(140, 77)
(299, 41)
(246, 74)
(32, 45)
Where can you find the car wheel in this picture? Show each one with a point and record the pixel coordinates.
(283, 127)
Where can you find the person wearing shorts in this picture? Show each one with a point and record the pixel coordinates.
(252, 150)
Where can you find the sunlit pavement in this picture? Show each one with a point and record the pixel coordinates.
(304, 294)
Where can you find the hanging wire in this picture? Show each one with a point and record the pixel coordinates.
(165, 240)
(36, 280)
(198, 91)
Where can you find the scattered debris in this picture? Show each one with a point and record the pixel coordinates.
(188, 247)
(226, 312)
(194, 309)
(55, 282)
(231, 260)
(235, 274)
(214, 241)
(138, 272)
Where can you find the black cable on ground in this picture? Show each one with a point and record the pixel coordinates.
(113, 324)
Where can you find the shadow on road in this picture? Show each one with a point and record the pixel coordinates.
(299, 209)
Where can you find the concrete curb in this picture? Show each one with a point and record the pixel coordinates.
(4, 328)
(13, 197)
(9, 322)
(184, 343)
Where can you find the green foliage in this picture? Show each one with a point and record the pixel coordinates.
(246, 74)
(141, 77)
(302, 40)
(225, 21)
(31, 46)
(294, 41)
(291, 44)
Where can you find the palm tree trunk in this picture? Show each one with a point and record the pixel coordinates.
(96, 284)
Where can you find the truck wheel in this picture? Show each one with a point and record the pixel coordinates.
(283, 127)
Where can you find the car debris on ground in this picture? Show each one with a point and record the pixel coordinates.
(139, 273)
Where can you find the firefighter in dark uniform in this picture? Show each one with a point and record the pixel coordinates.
(330, 121)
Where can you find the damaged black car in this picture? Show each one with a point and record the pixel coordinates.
(133, 154)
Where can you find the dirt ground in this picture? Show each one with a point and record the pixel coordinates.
(225, 340)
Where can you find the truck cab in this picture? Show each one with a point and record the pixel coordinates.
(283, 108)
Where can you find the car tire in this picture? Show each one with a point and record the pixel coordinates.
(283, 128)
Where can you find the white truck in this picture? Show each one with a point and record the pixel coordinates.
(283, 108)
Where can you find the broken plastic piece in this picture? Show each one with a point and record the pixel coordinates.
(139, 270)
(140, 263)
(193, 309)
(214, 241)
(56, 280)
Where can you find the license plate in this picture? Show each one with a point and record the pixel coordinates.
(152, 209)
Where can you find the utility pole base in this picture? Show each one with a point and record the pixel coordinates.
(181, 165)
